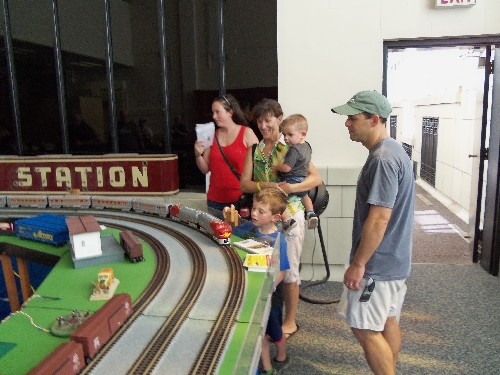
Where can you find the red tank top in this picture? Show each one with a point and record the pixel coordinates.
(224, 186)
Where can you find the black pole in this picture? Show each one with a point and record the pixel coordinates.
(109, 75)
(60, 78)
(222, 59)
(164, 75)
(12, 75)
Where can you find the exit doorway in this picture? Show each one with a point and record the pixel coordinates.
(443, 94)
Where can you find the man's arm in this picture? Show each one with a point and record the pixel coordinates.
(371, 237)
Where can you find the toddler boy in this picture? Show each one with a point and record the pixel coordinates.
(296, 164)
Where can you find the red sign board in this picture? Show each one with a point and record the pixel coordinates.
(105, 174)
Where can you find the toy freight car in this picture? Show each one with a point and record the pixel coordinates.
(66, 359)
(98, 329)
(132, 246)
(165, 209)
(74, 201)
(37, 201)
(124, 204)
(3, 201)
(46, 227)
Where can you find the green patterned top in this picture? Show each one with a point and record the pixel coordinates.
(262, 171)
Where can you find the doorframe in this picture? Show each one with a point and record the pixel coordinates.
(489, 259)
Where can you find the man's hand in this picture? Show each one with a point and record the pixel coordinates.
(353, 276)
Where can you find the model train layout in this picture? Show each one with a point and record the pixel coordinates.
(88, 339)
(74, 356)
(201, 220)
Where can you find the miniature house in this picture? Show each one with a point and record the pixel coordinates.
(85, 237)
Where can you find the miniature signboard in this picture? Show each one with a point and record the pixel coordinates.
(454, 3)
(257, 262)
(253, 246)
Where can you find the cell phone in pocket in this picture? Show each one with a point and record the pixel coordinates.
(367, 292)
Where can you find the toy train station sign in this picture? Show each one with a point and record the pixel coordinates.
(108, 174)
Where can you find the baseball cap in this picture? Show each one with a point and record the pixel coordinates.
(365, 101)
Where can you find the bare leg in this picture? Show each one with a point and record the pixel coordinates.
(308, 204)
(265, 354)
(378, 352)
(292, 291)
(393, 336)
(281, 350)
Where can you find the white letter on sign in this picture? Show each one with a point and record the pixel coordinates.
(137, 176)
(117, 182)
(83, 173)
(63, 174)
(43, 174)
(23, 173)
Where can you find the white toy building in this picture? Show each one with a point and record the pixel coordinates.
(85, 237)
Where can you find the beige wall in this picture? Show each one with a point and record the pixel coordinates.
(327, 51)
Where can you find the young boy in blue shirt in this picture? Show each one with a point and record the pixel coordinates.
(268, 205)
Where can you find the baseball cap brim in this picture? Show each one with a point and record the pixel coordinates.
(346, 110)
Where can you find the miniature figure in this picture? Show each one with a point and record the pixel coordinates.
(63, 326)
(105, 286)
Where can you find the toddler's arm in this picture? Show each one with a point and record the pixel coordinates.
(283, 168)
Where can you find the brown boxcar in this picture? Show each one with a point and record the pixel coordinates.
(66, 359)
(132, 246)
(115, 312)
(92, 335)
(97, 330)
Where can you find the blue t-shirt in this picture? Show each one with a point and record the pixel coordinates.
(249, 230)
(387, 180)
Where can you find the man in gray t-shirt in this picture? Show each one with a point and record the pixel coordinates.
(380, 259)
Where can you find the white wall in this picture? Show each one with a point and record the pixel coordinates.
(328, 50)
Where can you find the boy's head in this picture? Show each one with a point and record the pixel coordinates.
(268, 205)
(294, 129)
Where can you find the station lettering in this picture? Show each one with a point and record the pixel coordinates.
(65, 176)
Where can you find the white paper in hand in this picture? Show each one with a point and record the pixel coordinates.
(206, 132)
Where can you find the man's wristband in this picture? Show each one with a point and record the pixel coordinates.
(258, 186)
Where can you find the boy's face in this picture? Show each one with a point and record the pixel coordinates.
(261, 214)
(292, 135)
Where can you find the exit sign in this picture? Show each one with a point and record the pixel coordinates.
(454, 3)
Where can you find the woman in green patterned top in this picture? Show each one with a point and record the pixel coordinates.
(257, 174)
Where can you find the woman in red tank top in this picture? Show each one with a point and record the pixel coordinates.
(234, 138)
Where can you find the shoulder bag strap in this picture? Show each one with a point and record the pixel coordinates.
(236, 174)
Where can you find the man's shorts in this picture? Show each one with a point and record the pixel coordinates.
(386, 300)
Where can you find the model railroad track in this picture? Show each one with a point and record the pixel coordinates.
(209, 357)
(157, 280)
(150, 357)
(210, 354)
